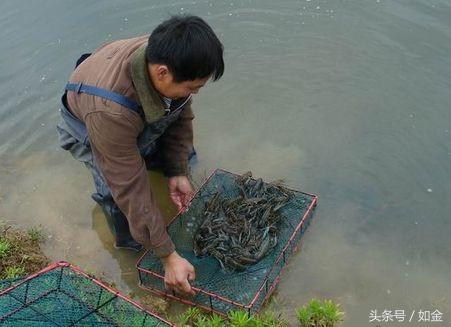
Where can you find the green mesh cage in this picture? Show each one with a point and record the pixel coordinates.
(219, 290)
(62, 295)
(6, 283)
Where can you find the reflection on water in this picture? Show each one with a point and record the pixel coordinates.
(345, 99)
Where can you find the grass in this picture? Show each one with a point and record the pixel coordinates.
(13, 272)
(20, 253)
(189, 317)
(36, 234)
(193, 317)
(319, 314)
(5, 246)
(240, 319)
(269, 319)
(314, 314)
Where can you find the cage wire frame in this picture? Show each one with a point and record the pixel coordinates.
(61, 267)
(7, 283)
(265, 288)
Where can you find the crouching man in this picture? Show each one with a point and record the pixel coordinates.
(126, 109)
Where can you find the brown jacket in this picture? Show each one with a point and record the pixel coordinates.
(113, 131)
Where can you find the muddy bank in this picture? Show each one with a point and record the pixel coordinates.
(20, 251)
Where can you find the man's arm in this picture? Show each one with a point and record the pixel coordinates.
(113, 141)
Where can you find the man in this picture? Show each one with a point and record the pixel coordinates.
(127, 106)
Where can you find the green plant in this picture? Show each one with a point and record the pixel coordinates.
(189, 316)
(304, 316)
(194, 317)
(317, 314)
(5, 246)
(35, 234)
(268, 319)
(240, 319)
(13, 272)
(331, 312)
(215, 321)
(201, 321)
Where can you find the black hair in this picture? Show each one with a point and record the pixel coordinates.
(188, 46)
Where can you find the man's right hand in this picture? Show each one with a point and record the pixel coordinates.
(177, 274)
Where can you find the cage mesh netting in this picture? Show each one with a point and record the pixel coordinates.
(222, 290)
(6, 283)
(62, 295)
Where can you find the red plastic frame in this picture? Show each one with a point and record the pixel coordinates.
(80, 272)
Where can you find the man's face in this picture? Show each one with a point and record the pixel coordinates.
(164, 83)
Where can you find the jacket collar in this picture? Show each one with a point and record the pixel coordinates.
(151, 102)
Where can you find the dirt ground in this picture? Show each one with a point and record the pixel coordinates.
(20, 252)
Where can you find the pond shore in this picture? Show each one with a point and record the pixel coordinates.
(20, 251)
(21, 255)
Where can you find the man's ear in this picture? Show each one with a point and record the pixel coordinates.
(162, 72)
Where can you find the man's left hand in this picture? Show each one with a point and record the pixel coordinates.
(180, 191)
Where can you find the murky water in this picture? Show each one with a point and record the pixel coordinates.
(346, 99)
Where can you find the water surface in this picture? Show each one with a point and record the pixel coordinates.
(345, 99)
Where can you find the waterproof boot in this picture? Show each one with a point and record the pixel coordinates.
(119, 227)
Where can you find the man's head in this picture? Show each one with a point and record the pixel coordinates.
(183, 53)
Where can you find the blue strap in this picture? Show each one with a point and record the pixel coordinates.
(115, 97)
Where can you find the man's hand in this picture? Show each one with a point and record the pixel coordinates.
(180, 191)
(177, 273)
